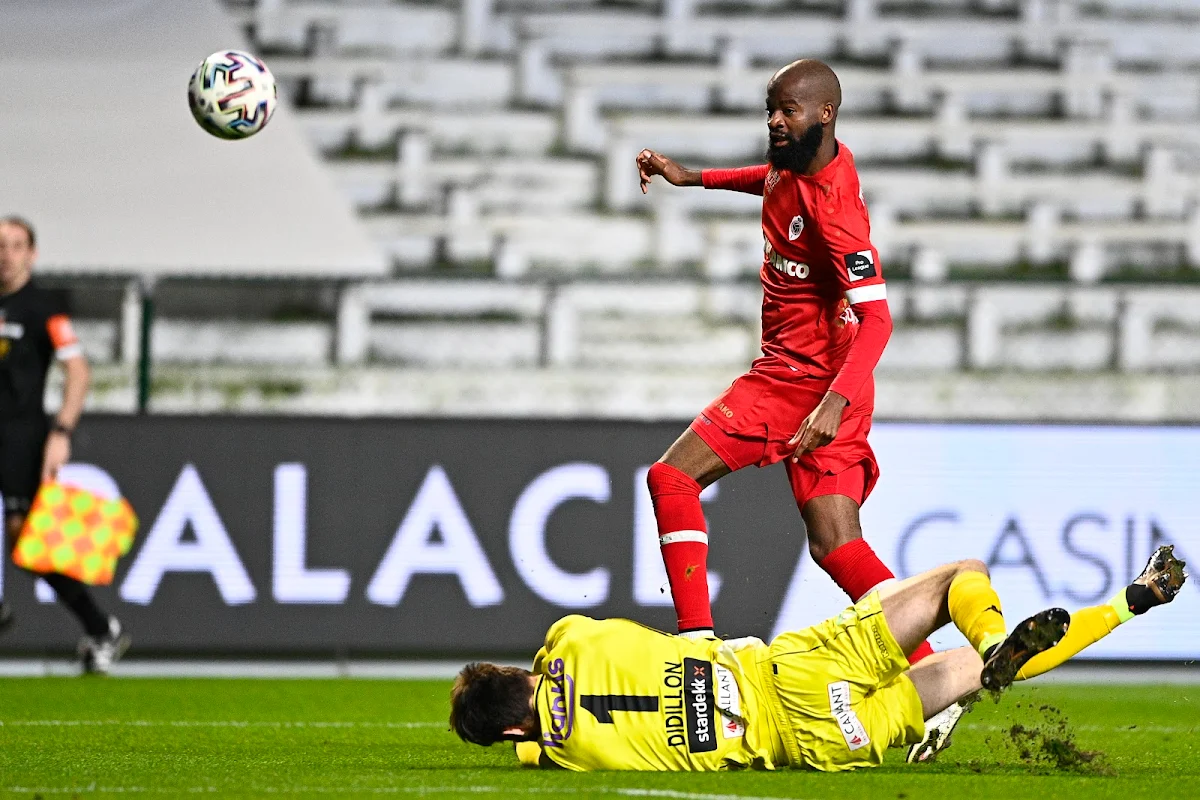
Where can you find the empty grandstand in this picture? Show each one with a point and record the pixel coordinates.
(1032, 169)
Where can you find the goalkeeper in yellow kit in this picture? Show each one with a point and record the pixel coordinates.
(613, 694)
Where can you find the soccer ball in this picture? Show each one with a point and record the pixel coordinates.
(232, 94)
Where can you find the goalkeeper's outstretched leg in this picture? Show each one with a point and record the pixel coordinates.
(962, 593)
(1158, 584)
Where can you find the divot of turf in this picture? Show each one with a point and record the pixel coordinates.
(1049, 744)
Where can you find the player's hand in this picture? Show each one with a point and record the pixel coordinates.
(650, 163)
(820, 427)
(57, 453)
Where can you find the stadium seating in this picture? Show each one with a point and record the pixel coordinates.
(499, 323)
(427, 328)
(1032, 169)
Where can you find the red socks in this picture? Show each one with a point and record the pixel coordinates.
(683, 537)
(924, 650)
(857, 570)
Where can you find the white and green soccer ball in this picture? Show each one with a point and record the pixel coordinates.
(232, 94)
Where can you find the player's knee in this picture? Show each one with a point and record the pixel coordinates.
(822, 544)
(973, 565)
(829, 531)
(664, 479)
(657, 476)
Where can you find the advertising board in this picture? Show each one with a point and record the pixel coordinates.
(361, 537)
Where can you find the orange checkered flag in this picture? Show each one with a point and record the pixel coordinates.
(72, 532)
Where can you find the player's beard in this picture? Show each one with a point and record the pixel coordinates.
(800, 150)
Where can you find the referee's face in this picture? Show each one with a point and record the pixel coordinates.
(16, 257)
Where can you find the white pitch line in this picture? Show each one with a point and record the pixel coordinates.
(1098, 728)
(188, 723)
(1093, 672)
(274, 670)
(670, 794)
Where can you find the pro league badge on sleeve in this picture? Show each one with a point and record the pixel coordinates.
(860, 265)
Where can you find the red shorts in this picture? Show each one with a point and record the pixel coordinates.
(752, 421)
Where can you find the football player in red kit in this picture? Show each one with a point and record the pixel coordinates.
(808, 400)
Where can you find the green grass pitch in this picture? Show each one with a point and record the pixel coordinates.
(297, 738)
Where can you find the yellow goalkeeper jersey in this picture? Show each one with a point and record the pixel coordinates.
(616, 695)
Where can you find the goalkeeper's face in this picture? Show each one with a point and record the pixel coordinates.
(490, 703)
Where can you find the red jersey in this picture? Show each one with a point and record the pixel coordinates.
(818, 262)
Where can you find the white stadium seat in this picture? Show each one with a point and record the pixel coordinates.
(497, 184)
(439, 322)
(437, 83)
(379, 27)
(99, 338)
(507, 132)
(236, 342)
(456, 344)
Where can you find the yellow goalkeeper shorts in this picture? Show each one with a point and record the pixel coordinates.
(840, 689)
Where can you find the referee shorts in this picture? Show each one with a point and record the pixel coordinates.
(22, 446)
(840, 690)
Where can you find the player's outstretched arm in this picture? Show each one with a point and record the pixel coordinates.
(650, 163)
(1159, 582)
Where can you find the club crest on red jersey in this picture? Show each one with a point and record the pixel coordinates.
(796, 228)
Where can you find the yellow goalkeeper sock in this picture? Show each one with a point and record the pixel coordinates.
(975, 610)
(1088, 626)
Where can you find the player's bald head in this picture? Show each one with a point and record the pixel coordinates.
(810, 81)
(802, 106)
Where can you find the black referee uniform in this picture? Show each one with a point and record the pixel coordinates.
(34, 330)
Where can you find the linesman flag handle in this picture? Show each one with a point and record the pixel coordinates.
(73, 532)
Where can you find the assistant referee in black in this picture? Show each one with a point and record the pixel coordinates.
(34, 331)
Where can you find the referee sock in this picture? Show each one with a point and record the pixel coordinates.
(856, 568)
(75, 596)
(683, 537)
(975, 610)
